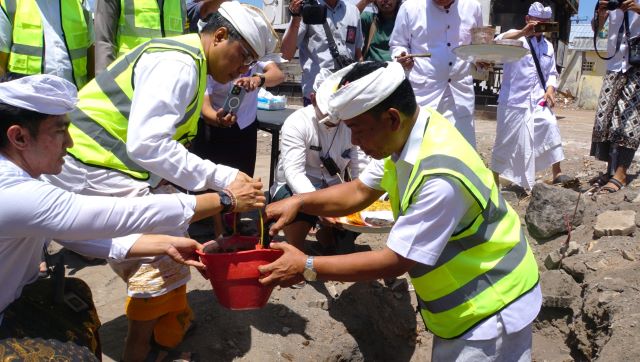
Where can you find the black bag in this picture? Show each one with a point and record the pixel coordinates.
(632, 42)
(339, 61)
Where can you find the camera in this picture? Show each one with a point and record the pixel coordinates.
(546, 27)
(614, 4)
(313, 12)
(234, 99)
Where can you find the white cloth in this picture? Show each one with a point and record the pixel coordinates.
(158, 105)
(34, 212)
(527, 134)
(254, 27)
(42, 93)
(421, 233)
(540, 11)
(358, 96)
(56, 59)
(457, 115)
(248, 109)
(300, 166)
(527, 141)
(620, 62)
(521, 86)
(421, 27)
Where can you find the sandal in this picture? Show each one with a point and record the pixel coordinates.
(599, 180)
(606, 189)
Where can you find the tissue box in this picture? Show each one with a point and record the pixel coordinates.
(273, 103)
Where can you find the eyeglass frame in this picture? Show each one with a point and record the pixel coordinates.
(247, 55)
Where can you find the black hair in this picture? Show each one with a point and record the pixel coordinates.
(216, 21)
(12, 115)
(403, 99)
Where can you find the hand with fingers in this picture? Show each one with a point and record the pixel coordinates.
(183, 251)
(225, 119)
(248, 194)
(283, 212)
(405, 60)
(285, 271)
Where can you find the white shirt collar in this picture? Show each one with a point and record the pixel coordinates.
(411, 148)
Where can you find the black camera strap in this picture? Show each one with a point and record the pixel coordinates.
(537, 63)
(333, 48)
(624, 26)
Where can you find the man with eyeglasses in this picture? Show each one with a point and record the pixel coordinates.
(130, 130)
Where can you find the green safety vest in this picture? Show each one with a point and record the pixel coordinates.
(27, 50)
(484, 266)
(100, 120)
(143, 20)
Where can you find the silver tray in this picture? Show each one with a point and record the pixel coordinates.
(498, 52)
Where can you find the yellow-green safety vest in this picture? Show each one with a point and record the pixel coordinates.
(487, 264)
(27, 50)
(142, 20)
(100, 120)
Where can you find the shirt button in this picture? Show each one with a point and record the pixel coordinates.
(450, 63)
(448, 26)
(448, 44)
(449, 80)
(447, 11)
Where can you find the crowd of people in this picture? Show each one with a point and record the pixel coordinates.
(115, 136)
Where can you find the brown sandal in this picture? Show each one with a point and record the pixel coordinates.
(606, 189)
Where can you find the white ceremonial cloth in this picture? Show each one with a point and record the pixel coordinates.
(34, 212)
(159, 103)
(42, 93)
(540, 11)
(527, 135)
(300, 166)
(421, 233)
(421, 27)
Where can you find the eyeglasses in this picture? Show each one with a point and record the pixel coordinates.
(249, 60)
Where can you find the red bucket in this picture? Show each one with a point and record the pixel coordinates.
(234, 276)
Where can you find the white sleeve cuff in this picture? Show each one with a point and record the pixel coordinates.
(120, 246)
(222, 176)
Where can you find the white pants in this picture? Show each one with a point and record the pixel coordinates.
(514, 347)
(527, 141)
(458, 116)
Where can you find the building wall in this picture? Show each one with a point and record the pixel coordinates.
(583, 84)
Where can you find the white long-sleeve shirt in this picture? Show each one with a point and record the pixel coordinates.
(33, 212)
(521, 86)
(439, 209)
(620, 62)
(421, 27)
(302, 142)
(165, 83)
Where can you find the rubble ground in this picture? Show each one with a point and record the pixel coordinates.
(590, 284)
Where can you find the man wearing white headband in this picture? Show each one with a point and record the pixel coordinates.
(131, 129)
(33, 140)
(527, 133)
(474, 274)
(442, 81)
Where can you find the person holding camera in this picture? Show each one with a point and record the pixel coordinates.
(328, 35)
(442, 81)
(315, 154)
(616, 130)
(377, 28)
(527, 134)
(34, 138)
(131, 130)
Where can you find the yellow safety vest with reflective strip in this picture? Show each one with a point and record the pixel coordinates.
(27, 49)
(486, 265)
(142, 20)
(100, 121)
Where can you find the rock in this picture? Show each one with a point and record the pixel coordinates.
(547, 209)
(572, 249)
(510, 196)
(286, 330)
(320, 303)
(628, 256)
(552, 261)
(282, 312)
(559, 290)
(620, 223)
(333, 292)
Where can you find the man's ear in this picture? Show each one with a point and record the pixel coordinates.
(220, 35)
(19, 137)
(394, 115)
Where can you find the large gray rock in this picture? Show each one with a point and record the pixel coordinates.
(615, 223)
(559, 290)
(547, 209)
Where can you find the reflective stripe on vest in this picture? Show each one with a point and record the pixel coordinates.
(486, 265)
(27, 57)
(100, 121)
(142, 20)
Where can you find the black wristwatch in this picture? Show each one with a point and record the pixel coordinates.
(225, 201)
(262, 78)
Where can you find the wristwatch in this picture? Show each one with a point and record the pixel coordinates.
(309, 272)
(225, 201)
(262, 78)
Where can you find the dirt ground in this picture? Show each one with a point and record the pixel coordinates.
(373, 321)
